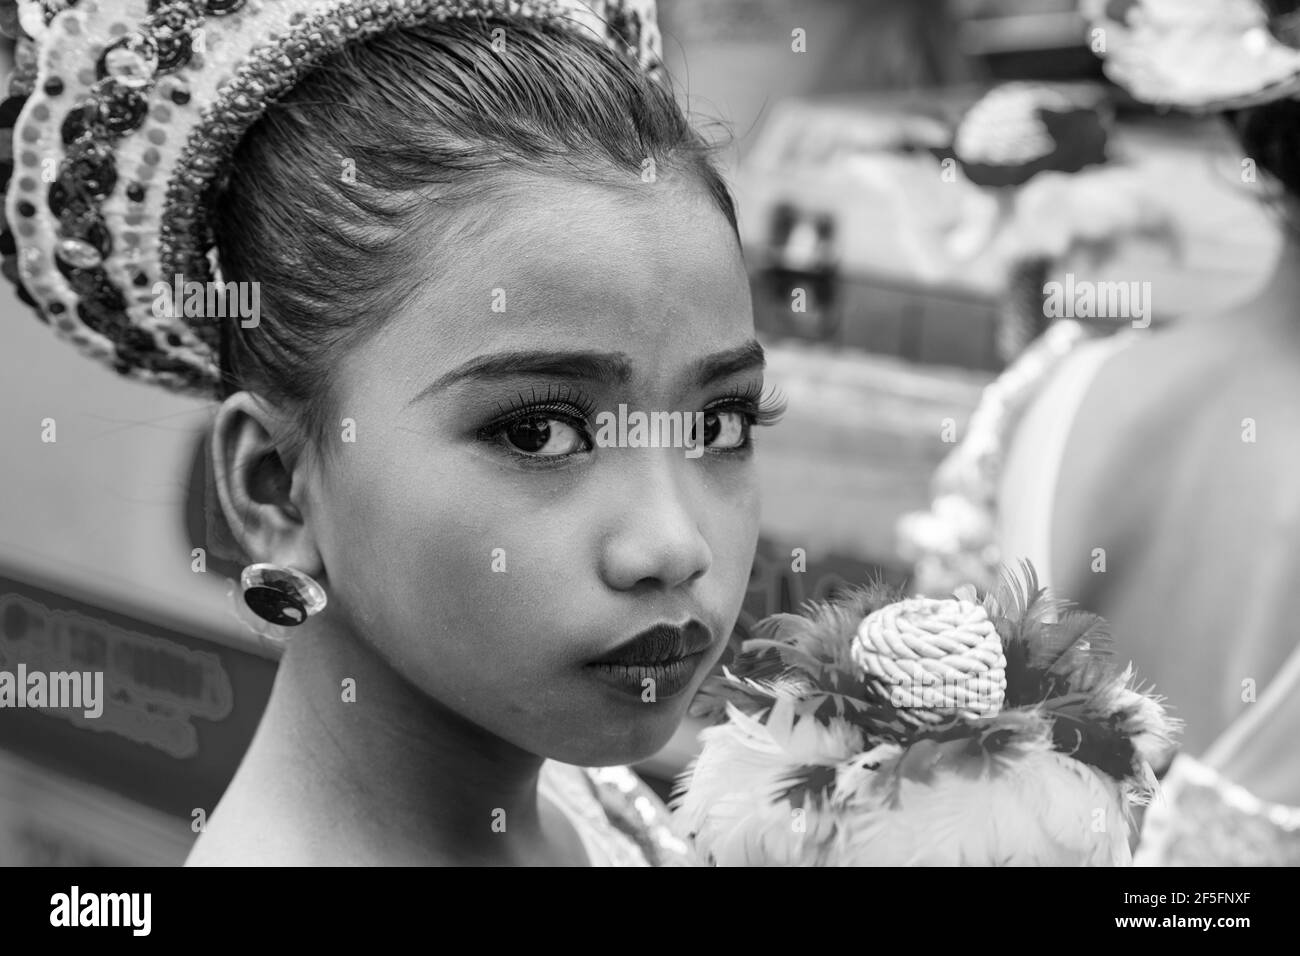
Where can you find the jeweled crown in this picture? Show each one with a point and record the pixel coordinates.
(123, 114)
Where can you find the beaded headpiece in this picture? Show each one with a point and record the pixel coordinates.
(123, 116)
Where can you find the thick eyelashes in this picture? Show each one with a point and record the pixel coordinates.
(556, 398)
(570, 415)
(569, 406)
(768, 407)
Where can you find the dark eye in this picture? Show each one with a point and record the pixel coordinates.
(543, 436)
(725, 428)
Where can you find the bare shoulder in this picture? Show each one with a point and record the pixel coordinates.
(265, 820)
(237, 834)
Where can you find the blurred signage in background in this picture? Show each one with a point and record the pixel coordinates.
(153, 688)
(178, 713)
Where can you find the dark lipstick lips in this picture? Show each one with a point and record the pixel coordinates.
(660, 644)
(658, 664)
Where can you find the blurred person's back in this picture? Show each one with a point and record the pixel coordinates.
(1181, 464)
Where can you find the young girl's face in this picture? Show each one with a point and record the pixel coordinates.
(475, 533)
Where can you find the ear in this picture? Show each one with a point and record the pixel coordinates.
(261, 495)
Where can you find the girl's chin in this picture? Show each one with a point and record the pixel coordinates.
(613, 739)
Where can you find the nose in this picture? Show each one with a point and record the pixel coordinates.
(655, 540)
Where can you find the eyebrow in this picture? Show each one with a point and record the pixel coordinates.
(614, 368)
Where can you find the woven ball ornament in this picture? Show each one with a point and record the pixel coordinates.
(939, 658)
(124, 114)
(1011, 736)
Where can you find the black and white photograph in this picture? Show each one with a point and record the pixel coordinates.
(609, 433)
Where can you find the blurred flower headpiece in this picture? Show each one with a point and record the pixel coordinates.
(1197, 55)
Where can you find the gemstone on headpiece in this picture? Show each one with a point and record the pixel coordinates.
(172, 34)
(90, 229)
(132, 61)
(91, 168)
(78, 253)
(64, 198)
(121, 108)
(81, 122)
(87, 283)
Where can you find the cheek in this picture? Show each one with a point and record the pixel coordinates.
(473, 585)
(733, 531)
(728, 510)
(451, 576)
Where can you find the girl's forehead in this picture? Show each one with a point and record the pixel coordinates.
(559, 234)
(642, 273)
(655, 279)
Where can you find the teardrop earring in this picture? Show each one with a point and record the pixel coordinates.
(281, 595)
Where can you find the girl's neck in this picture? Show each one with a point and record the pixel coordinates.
(364, 746)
